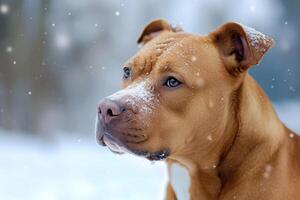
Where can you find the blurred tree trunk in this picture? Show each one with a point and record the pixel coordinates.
(8, 25)
(26, 84)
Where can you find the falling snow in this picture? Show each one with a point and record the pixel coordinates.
(62, 41)
(9, 49)
(193, 58)
(4, 9)
(267, 171)
(81, 175)
(209, 137)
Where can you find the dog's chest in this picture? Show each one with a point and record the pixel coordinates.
(180, 181)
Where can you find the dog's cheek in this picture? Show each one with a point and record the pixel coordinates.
(176, 101)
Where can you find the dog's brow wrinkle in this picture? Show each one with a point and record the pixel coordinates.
(143, 64)
(147, 62)
(174, 45)
(153, 59)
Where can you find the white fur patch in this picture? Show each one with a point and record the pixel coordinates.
(180, 181)
(140, 94)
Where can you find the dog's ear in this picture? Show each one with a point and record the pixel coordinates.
(240, 46)
(154, 28)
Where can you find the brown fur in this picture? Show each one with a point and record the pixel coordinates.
(219, 124)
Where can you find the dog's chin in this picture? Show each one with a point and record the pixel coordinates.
(152, 156)
(119, 148)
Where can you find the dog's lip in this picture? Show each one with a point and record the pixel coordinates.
(112, 143)
(117, 147)
(100, 141)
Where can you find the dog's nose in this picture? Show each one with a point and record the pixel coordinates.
(109, 110)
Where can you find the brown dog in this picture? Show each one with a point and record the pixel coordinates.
(189, 100)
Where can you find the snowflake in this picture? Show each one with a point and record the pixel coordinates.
(193, 58)
(117, 13)
(29, 93)
(14, 62)
(4, 9)
(209, 137)
(62, 41)
(9, 49)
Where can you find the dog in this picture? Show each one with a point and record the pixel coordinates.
(188, 100)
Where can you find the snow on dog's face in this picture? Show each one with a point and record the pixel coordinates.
(139, 96)
(132, 109)
(177, 90)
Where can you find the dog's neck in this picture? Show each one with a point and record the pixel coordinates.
(253, 128)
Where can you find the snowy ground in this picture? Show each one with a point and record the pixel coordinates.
(76, 168)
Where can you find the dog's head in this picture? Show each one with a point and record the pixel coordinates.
(177, 90)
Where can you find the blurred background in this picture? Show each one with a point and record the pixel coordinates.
(58, 58)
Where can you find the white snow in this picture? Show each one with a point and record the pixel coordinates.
(256, 39)
(139, 93)
(73, 168)
(252, 8)
(62, 40)
(9, 49)
(4, 9)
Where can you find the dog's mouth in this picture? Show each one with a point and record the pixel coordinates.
(127, 142)
(118, 147)
(112, 144)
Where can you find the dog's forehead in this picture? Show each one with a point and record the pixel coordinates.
(169, 50)
(147, 57)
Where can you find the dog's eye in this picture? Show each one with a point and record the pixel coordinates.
(127, 72)
(172, 82)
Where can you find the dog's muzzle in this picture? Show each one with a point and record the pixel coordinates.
(108, 111)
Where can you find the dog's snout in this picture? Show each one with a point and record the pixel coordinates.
(109, 110)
